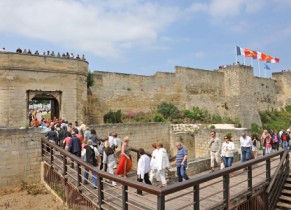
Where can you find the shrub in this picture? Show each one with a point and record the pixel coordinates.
(113, 117)
(168, 110)
(158, 118)
(90, 79)
(288, 108)
(255, 128)
(216, 119)
(212, 127)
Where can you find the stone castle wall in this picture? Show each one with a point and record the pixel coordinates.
(20, 73)
(20, 155)
(232, 92)
(185, 88)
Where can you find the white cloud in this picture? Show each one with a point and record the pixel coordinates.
(103, 28)
(223, 9)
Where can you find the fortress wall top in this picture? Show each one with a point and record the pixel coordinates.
(10, 61)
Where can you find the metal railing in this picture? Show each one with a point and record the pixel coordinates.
(276, 185)
(218, 190)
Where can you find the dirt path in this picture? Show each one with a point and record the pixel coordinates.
(33, 197)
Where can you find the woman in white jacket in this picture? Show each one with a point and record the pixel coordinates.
(162, 163)
(227, 151)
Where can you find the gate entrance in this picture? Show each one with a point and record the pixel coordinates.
(47, 101)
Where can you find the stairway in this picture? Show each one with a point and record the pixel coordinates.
(285, 197)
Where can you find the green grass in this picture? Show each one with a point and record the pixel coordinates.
(276, 120)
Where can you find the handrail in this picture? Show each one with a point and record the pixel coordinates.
(195, 181)
(160, 193)
(124, 181)
(283, 159)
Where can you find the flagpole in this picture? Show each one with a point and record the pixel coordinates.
(265, 71)
(259, 68)
(235, 51)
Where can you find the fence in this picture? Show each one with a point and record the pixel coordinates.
(218, 190)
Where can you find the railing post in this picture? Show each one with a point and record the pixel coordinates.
(79, 178)
(100, 191)
(226, 190)
(65, 166)
(161, 202)
(196, 205)
(124, 197)
(268, 170)
(51, 155)
(250, 180)
(42, 150)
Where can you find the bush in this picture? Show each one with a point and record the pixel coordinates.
(113, 117)
(168, 110)
(216, 119)
(288, 108)
(90, 79)
(255, 128)
(158, 118)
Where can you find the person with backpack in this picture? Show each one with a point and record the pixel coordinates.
(62, 135)
(90, 155)
(109, 159)
(285, 138)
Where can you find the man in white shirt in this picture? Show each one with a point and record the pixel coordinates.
(246, 147)
(143, 169)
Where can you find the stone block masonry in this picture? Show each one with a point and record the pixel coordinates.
(20, 156)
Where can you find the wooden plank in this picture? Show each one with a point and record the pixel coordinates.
(285, 198)
(286, 191)
(284, 205)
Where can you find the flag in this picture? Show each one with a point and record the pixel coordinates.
(273, 60)
(239, 51)
(267, 67)
(265, 57)
(250, 53)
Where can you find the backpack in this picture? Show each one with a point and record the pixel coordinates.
(284, 137)
(109, 151)
(90, 156)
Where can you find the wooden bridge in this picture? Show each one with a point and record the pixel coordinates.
(256, 184)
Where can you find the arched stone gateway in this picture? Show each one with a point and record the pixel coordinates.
(55, 98)
(25, 77)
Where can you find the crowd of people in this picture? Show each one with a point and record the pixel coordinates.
(48, 53)
(222, 153)
(113, 155)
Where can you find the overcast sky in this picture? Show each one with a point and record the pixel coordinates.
(143, 37)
